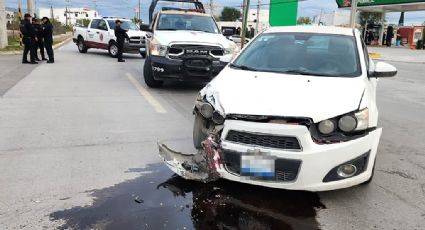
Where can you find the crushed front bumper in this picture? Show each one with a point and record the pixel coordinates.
(200, 69)
(315, 161)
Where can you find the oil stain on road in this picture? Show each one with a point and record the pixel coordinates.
(160, 200)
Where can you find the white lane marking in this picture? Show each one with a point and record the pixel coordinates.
(148, 96)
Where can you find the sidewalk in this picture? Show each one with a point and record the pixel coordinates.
(62, 38)
(397, 54)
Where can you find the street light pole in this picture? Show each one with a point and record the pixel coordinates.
(3, 29)
(353, 15)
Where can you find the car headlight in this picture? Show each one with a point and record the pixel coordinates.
(327, 127)
(362, 119)
(157, 49)
(348, 123)
(206, 110)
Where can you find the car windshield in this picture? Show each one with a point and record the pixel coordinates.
(187, 22)
(127, 25)
(302, 53)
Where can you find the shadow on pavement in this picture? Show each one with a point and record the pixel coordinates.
(160, 200)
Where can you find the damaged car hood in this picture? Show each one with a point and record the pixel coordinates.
(275, 94)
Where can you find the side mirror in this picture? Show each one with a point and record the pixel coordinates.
(145, 27)
(383, 69)
(227, 32)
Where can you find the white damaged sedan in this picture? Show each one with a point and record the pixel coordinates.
(295, 110)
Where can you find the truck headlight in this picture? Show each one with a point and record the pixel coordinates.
(233, 49)
(157, 49)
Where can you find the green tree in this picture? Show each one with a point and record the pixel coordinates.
(83, 22)
(230, 14)
(369, 17)
(423, 23)
(304, 21)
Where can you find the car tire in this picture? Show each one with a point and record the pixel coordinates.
(198, 135)
(82, 48)
(113, 49)
(148, 75)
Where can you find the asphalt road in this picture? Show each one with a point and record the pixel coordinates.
(78, 151)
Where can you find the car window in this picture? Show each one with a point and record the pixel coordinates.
(302, 53)
(127, 25)
(102, 25)
(187, 22)
(94, 23)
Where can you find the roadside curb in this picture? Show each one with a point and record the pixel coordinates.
(401, 61)
(56, 46)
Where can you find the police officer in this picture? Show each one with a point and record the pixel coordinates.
(29, 39)
(48, 39)
(40, 43)
(121, 35)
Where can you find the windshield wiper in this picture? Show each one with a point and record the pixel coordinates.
(206, 31)
(243, 67)
(300, 72)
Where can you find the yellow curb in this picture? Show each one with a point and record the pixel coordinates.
(374, 55)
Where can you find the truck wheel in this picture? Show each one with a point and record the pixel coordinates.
(148, 75)
(198, 135)
(113, 49)
(82, 48)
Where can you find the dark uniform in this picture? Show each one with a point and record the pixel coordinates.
(121, 35)
(48, 39)
(40, 43)
(29, 40)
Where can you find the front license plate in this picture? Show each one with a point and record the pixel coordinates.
(257, 166)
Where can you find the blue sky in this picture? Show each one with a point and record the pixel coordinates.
(125, 8)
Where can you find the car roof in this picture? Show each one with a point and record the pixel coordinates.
(312, 29)
(182, 12)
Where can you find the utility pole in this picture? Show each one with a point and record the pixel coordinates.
(138, 13)
(353, 13)
(30, 7)
(244, 21)
(3, 29)
(212, 7)
(257, 25)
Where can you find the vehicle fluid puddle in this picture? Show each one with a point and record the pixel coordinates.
(160, 200)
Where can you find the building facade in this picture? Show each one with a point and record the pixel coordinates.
(68, 16)
(336, 18)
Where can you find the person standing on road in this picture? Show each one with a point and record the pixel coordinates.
(40, 43)
(121, 35)
(29, 39)
(48, 39)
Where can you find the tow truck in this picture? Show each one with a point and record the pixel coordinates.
(184, 45)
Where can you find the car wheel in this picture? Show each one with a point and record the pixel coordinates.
(113, 49)
(148, 75)
(198, 135)
(82, 48)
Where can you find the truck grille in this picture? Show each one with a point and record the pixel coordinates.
(264, 140)
(137, 40)
(286, 170)
(181, 50)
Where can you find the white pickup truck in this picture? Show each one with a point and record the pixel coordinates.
(100, 35)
